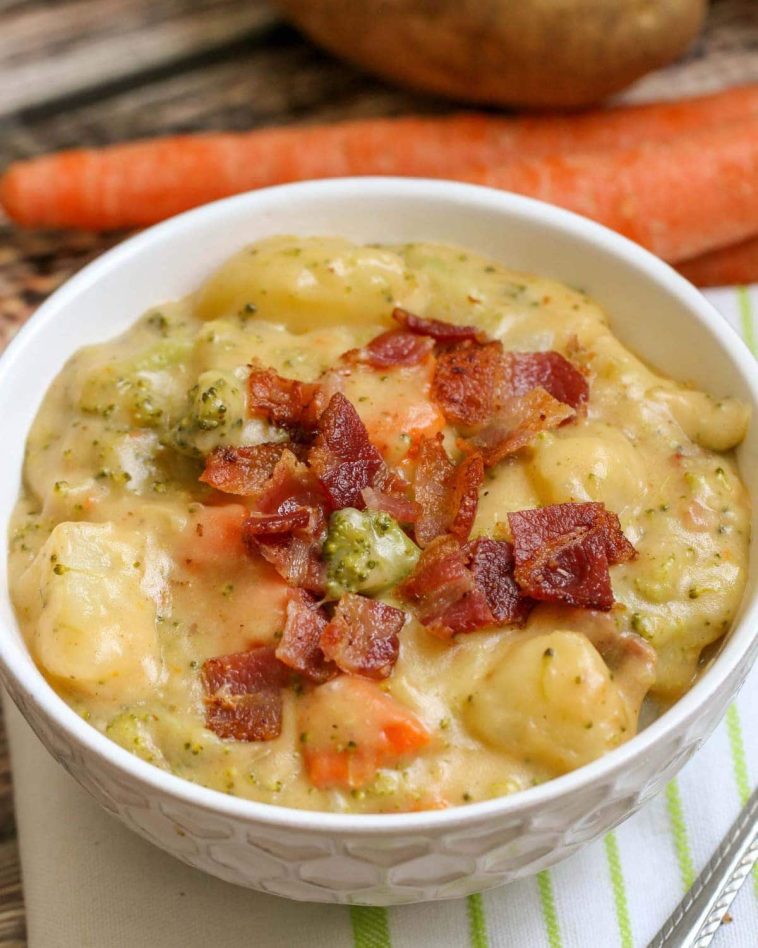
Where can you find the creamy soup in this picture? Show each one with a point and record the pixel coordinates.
(473, 550)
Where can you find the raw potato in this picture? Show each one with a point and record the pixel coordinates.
(540, 53)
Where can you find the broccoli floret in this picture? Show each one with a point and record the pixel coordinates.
(142, 391)
(216, 414)
(366, 551)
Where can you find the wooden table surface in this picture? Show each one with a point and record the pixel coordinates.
(88, 72)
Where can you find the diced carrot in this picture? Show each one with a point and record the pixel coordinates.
(350, 728)
(214, 535)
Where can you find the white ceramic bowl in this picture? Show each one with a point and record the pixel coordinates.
(377, 859)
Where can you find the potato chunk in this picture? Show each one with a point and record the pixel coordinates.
(92, 595)
(551, 699)
(307, 282)
(716, 423)
(600, 465)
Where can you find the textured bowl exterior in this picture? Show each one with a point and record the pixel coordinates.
(376, 859)
(380, 869)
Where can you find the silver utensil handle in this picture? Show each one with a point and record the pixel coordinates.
(697, 918)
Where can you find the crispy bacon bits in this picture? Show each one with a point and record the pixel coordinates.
(299, 646)
(288, 524)
(440, 579)
(242, 471)
(502, 400)
(342, 456)
(447, 493)
(492, 563)
(458, 588)
(362, 638)
(396, 505)
(562, 553)
(435, 328)
(515, 424)
(467, 382)
(395, 348)
(244, 695)
(549, 370)
(286, 403)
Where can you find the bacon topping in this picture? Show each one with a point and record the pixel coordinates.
(299, 646)
(396, 505)
(447, 493)
(289, 522)
(548, 370)
(504, 399)
(440, 579)
(244, 695)
(466, 383)
(342, 455)
(394, 348)
(516, 423)
(362, 637)
(440, 331)
(563, 552)
(492, 563)
(286, 403)
(462, 588)
(243, 470)
(264, 525)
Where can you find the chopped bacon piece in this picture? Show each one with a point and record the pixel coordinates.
(469, 613)
(533, 529)
(515, 425)
(440, 579)
(563, 552)
(436, 328)
(242, 470)
(264, 525)
(299, 646)
(447, 493)
(492, 563)
(466, 383)
(362, 637)
(294, 557)
(284, 402)
(289, 523)
(342, 455)
(394, 348)
(458, 588)
(244, 695)
(402, 509)
(548, 370)
(481, 387)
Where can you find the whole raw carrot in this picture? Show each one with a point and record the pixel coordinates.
(737, 264)
(142, 182)
(679, 198)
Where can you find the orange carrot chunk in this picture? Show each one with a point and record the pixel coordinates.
(349, 728)
(142, 182)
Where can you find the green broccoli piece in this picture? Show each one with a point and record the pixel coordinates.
(216, 414)
(366, 551)
(143, 390)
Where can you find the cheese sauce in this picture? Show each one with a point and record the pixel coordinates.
(126, 574)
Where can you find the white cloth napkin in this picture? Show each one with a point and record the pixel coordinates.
(91, 883)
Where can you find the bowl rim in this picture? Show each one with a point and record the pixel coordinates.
(737, 649)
